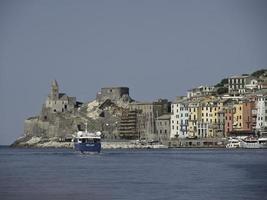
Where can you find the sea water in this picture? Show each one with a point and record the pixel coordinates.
(133, 174)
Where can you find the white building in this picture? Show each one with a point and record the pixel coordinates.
(251, 83)
(200, 91)
(202, 129)
(261, 121)
(237, 84)
(179, 119)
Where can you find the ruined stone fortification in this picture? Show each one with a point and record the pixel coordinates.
(114, 94)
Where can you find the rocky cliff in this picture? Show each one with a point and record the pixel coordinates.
(61, 117)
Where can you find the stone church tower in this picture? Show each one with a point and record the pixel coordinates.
(59, 102)
(54, 93)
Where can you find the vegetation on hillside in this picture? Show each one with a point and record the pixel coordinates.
(259, 73)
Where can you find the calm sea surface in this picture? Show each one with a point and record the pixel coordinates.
(133, 174)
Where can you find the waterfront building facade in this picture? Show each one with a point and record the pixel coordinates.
(261, 120)
(193, 119)
(179, 119)
(163, 127)
(228, 112)
(147, 112)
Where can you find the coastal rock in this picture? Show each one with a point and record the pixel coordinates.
(61, 116)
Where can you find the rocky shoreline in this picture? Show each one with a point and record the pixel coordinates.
(38, 142)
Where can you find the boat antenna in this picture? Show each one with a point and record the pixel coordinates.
(86, 127)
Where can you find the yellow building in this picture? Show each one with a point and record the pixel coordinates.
(194, 117)
(210, 123)
(238, 116)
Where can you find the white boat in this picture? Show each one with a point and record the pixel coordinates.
(263, 142)
(253, 143)
(233, 143)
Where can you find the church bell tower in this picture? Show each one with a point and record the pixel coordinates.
(54, 95)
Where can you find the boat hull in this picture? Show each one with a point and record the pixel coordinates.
(255, 145)
(87, 147)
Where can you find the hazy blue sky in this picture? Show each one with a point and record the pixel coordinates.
(159, 49)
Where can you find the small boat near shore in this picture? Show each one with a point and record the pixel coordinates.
(253, 143)
(233, 143)
(87, 142)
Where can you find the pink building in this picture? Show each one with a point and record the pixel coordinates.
(247, 115)
(228, 120)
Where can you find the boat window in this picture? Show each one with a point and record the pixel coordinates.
(96, 140)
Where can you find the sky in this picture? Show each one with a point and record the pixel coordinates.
(159, 49)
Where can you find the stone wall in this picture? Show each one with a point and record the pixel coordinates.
(113, 93)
